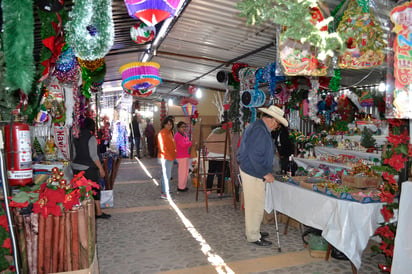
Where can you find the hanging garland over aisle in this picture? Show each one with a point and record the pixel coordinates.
(293, 14)
(91, 30)
(18, 42)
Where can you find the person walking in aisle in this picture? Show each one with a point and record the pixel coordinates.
(255, 157)
(85, 158)
(183, 144)
(167, 154)
(149, 132)
(135, 136)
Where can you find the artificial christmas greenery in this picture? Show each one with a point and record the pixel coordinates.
(18, 43)
(294, 15)
(367, 139)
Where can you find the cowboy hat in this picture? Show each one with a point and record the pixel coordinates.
(276, 113)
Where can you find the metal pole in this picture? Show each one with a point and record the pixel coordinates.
(6, 202)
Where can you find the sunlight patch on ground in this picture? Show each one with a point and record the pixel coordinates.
(215, 260)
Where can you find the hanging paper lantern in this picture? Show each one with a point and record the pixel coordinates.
(139, 93)
(142, 33)
(151, 12)
(252, 98)
(140, 76)
(188, 109)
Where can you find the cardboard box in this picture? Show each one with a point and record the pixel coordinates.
(360, 181)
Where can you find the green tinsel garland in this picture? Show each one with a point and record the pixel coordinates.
(334, 83)
(91, 30)
(18, 43)
(295, 16)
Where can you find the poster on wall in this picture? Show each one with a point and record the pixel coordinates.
(401, 91)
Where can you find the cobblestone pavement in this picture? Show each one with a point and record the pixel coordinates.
(149, 235)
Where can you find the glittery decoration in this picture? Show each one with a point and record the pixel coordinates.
(334, 83)
(151, 12)
(142, 33)
(91, 43)
(235, 70)
(313, 100)
(67, 67)
(91, 65)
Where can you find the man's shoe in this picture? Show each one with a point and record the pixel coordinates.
(264, 234)
(262, 243)
(182, 190)
(103, 216)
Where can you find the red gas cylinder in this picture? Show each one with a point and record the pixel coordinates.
(18, 154)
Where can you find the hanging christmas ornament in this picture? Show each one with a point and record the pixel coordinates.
(162, 110)
(364, 47)
(252, 98)
(142, 33)
(92, 76)
(140, 92)
(151, 12)
(140, 76)
(366, 100)
(67, 67)
(91, 30)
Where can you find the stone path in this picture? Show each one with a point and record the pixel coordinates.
(149, 235)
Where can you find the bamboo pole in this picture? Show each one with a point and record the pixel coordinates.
(48, 236)
(40, 254)
(35, 231)
(75, 239)
(21, 240)
(83, 238)
(62, 244)
(55, 243)
(92, 230)
(68, 240)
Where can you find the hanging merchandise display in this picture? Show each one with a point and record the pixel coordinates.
(152, 12)
(91, 29)
(162, 110)
(139, 77)
(365, 44)
(18, 43)
(141, 33)
(61, 136)
(18, 151)
(301, 58)
(67, 67)
(252, 98)
(401, 16)
(92, 72)
(52, 35)
(366, 99)
(292, 15)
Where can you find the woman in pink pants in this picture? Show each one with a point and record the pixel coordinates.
(182, 155)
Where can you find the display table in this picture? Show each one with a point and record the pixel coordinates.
(357, 154)
(402, 253)
(346, 225)
(309, 163)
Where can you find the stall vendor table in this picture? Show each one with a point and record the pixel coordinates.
(345, 224)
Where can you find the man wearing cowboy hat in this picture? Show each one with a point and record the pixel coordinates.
(255, 157)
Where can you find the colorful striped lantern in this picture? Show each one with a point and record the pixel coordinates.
(151, 11)
(140, 77)
(188, 109)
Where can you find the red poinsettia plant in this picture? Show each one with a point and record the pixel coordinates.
(394, 159)
(54, 195)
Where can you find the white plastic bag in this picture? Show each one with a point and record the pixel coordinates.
(106, 198)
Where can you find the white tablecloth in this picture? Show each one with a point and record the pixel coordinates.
(308, 163)
(346, 225)
(402, 254)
